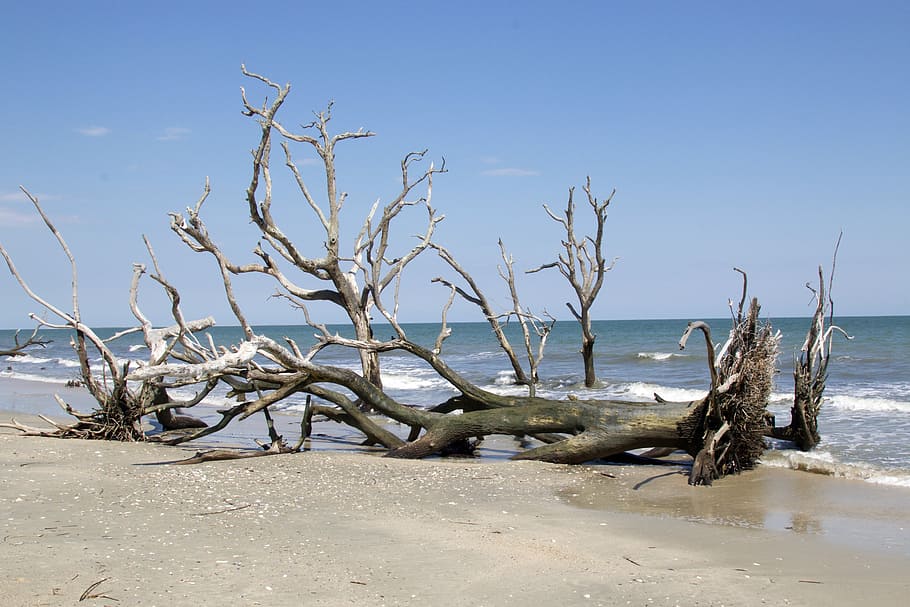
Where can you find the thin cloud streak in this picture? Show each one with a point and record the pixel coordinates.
(9, 217)
(21, 197)
(174, 133)
(94, 131)
(510, 172)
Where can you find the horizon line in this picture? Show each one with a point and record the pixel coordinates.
(466, 322)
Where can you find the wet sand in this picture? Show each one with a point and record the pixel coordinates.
(329, 527)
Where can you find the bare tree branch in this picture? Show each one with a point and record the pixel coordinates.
(18, 348)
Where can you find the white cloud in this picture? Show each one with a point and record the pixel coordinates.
(94, 131)
(21, 197)
(10, 217)
(12, 197)
(510, 172)
(173, 133)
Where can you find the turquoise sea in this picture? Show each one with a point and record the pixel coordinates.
(865, 422)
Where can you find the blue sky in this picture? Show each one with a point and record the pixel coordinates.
(734, 134)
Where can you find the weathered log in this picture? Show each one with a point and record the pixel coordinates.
(596, 429)
(173, 419)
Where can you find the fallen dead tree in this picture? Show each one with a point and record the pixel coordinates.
(724, 431)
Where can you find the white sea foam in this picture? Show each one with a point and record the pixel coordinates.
(780, 399)
(31, 377)
(486, 354)
(135, 347)
(411, 379)
(32, 360)
(902, 480)
(848, 402)
(504, 384)
(505, 378)
(29, 359)
(644, 390)
(508, 390)
(824, 463)
(658, 356)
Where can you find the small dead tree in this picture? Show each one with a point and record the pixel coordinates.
(527, 321)
(583, 268)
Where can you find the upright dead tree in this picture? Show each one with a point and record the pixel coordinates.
(810, 369)
(353, 280)
(583, 268)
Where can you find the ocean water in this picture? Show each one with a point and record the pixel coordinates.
(865, 421)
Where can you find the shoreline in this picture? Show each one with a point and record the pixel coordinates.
(337, 525)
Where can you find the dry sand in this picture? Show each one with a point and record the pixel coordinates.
(338, 528)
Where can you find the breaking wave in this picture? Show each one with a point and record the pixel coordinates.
(645, 391)
(657, 356)
(52, 362)
(32, 377)
(847, 402)
(822, 462)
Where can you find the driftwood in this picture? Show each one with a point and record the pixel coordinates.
(723, 431)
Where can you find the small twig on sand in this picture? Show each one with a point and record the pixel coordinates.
(223, 511)
(89, 595)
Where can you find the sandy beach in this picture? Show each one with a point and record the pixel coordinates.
(334, 527)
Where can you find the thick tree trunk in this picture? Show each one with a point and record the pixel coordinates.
(587, 355)
(171, 418)
(587, 347)
(369, 359)
(596, 429)
(809, 376)
(807, 402)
